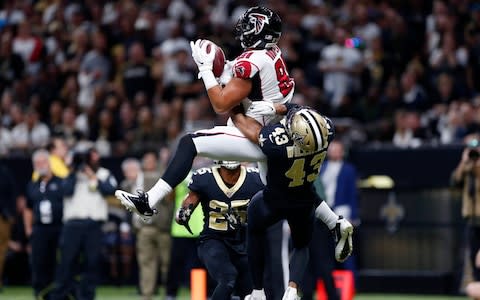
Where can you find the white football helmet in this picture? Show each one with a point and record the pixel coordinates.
(309, 130)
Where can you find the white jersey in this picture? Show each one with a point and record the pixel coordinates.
(268, 73)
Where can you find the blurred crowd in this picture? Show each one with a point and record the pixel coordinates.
(120, 74)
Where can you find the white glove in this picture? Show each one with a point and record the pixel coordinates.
(203, 59)
(227, 73)
(261, 108)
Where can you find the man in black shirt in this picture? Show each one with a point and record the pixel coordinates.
(44, 222)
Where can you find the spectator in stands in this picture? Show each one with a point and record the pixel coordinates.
(54, 115)
(137, 74)
(43, 222)
(145, 135)
(29, 47)
(342, 67)
(94, 70)
(76, 51)
(30, 134)
(414, 96)
(363, 27)
(5, 140)
(407, 129)
(68, 129)
(58, 150)
(448, 57)
(11, 63)
(85, 209)
(339, 178)
(105, 133)
(7, 212)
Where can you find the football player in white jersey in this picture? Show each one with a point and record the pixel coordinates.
(259, 79)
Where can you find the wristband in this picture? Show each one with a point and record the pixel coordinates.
(208, 79)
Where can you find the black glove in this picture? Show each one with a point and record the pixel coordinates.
(233, 219)
(183, 215)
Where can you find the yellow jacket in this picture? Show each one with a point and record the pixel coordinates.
(58, 167)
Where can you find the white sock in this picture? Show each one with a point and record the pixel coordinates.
(158, 192)
(325, 213)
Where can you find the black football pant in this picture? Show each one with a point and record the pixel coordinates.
(321, 264)
(261, 216)
(44, 243)
(227, 267)
(80, 237)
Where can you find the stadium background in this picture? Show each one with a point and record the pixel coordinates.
(411, 100)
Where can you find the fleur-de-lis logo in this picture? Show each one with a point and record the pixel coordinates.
(259, 20)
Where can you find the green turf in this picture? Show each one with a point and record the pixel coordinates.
(129, 293)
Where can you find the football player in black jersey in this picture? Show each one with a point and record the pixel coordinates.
(224, 192)
(295, 149)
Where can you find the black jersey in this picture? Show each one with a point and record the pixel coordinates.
(291, 171)
(218, 199)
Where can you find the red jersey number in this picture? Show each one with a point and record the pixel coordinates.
(285, 83)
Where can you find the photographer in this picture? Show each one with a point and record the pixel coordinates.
(467, 175)
(85, 209)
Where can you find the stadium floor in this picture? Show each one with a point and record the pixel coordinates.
(129, 293)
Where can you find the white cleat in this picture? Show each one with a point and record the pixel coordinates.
(342, 233)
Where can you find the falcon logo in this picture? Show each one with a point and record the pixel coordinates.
(240, 70)
(259, 21)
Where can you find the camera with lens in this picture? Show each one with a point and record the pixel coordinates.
(473, 153)
(81, 159)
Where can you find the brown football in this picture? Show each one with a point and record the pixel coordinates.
(219, 60)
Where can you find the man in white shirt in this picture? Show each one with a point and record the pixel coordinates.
(31, 133)
(85, 209)
(342, 67)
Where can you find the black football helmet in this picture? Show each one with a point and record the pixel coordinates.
(258, 28)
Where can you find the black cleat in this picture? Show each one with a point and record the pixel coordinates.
(136, 203)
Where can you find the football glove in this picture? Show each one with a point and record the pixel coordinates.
(227, 73)
(261, 108)
(233, 219)
(183, 215)
(203, 59)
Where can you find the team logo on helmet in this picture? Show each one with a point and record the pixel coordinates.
(259, 20)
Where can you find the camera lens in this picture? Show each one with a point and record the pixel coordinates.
(473, 154)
